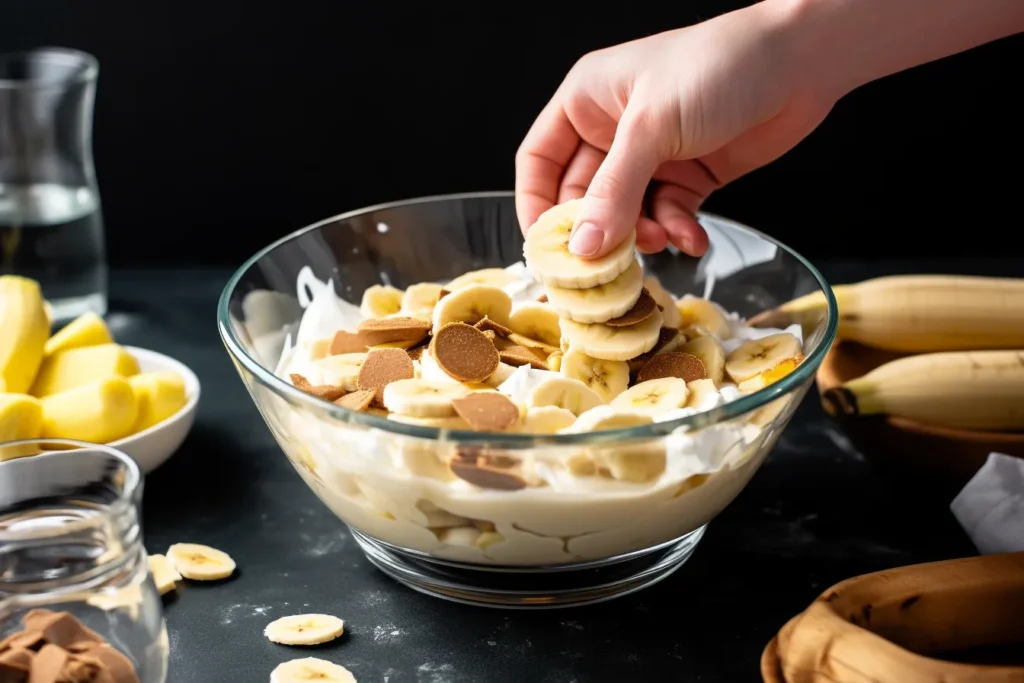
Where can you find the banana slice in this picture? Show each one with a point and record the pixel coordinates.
(451, 423)
(603, 418)
(471, 304)
(710, 353)
(555, 361)
(381, 300)
(535, 320)
(340, 371)
(422, 397)
(703, 394)
(613, 343)
(419, 300)
(600, 303)
(311, 669)
(761, 355)
(562, 392)
(701, 313)
(304, 629)
(608, 378)
(497, 377)
(495, 277)
(546, 420)
(664, 298)
(200, 562)
(763, 379)
(165, 576)
(653, 397)
(548, 257)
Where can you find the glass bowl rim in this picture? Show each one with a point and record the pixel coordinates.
(89, 72)
(128, 497)
(727, 411)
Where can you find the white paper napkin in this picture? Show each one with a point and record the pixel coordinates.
(990, 507)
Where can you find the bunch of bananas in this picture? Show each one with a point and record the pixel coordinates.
(77, 384)
(964, 340)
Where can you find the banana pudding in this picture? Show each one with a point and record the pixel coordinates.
(552, 349)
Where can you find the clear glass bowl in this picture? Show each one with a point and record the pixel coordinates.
(555, 534)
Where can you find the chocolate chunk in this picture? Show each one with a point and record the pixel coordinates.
(673, 364)
(464, 352)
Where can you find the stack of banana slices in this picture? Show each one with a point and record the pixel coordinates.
(914, 624)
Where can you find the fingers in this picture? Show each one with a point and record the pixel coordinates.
(541, 161)
(580, 172)
(650, 236)
(674, 208)
(616, 193)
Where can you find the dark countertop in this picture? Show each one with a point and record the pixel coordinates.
(815, 513)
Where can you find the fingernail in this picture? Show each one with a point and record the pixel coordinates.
(586, 240)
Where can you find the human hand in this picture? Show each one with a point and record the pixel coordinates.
(651, 128)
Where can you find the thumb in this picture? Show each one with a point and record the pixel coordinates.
(615, 197)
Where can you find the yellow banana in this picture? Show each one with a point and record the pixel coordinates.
(920, 313)
(24, 329)
(981, 390)
(884, 626)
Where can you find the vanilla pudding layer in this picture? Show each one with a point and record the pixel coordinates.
(400, 489)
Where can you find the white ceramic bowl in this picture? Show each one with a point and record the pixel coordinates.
(152, 447)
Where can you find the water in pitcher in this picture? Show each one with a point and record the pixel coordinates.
(54, 234)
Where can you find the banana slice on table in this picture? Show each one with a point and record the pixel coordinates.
(710, 353)
(653, 397)
(538, 321)
(340, 371)
(613, 343)
(608, 378)
(311, 669)
(200, 562)
(419, 300)
(546, 420)
(562, 392)
(600, 303)
(548, 257)
(701, 313)
(496, 277)
(664, 298)
(304, 629)
(471, 304)
(165, 576)
(422, 397)
(381, 300)
(761, 355)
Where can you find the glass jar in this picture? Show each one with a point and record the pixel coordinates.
(71, 541)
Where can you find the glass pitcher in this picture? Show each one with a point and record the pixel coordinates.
(51, 228)
(71, 548)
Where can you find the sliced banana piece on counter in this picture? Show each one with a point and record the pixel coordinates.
(311, 669)
(165, 576)
(471, 304)
(710, 353)
(653, 397)
(304, 629)
(535, 320)
(420, 299)
(422, 397)
(547, 254)
(200, 562)
(608, 378)
(496, 277)
(761, 355)
(381, 300)
(613, 343)
(664, 298)
(562, 392)
(704, 314)
(546, 420)
(600, 303)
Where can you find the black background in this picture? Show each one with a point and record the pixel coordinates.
(223, 125)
